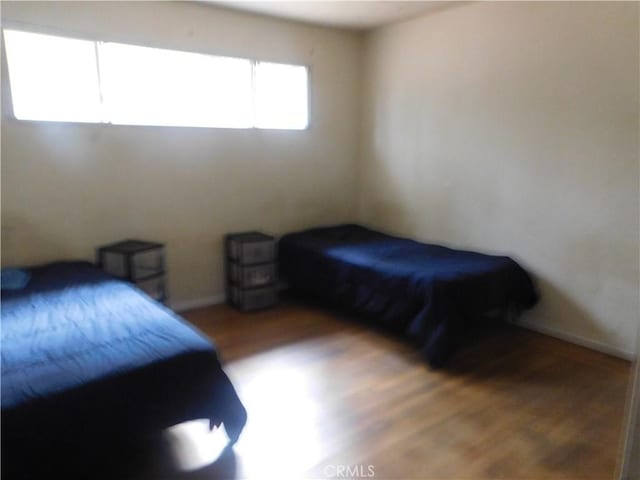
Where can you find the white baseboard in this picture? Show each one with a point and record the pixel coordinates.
(578, 340)
(185, 305)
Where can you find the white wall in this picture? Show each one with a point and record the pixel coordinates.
(68, 188)
(504, 127)
(513, 127)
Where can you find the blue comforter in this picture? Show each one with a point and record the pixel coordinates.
(87, 357)
(432, 294)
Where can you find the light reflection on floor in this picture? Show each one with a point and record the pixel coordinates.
(281, 437)
(193, 446)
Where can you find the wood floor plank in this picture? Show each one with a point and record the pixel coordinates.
(324, 392)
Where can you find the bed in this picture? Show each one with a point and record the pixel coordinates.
(89, 362)
(431, 294)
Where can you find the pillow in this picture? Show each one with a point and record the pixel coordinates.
(14, 278)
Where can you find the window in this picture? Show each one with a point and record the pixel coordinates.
(53, 78)
(62, 79)
(281, 96)
(148, 86)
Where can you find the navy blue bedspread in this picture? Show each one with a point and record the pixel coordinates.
(430, 293)
(87, 357)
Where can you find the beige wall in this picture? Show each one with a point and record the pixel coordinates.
(513, 127)
(68, 188)
(504, 127)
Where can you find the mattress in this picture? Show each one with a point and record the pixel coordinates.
(430, 293)
(89, 358)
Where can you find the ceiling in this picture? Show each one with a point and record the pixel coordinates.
(353, 14)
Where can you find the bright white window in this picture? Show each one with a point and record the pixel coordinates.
(148, 86)
(281, 96)
(62, 79)
(53, 78)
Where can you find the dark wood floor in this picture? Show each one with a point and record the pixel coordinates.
(329, 398)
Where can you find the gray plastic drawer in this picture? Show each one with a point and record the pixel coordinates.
(254, 298)
(252, 275)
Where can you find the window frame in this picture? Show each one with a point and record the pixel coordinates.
(41, 30)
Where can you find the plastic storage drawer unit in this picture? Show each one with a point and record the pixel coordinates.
(139, 262)
(251, 270)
